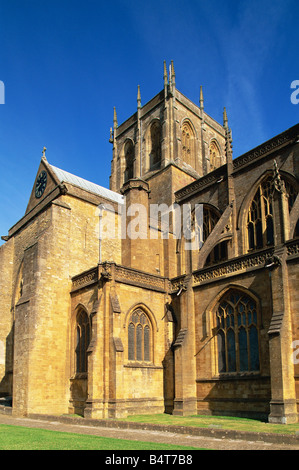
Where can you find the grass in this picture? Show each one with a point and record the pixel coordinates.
(22, 438)
(224, 422)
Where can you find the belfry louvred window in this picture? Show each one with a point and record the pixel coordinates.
(139, 337)
(129, 160)
(187, 144)
(155, 146)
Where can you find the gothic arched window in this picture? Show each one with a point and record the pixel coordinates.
(82, 341)
(139, 337)
(155, 145)
(129, 160)
(215, 160)
(260, 226)
(188, 144)
(237, 333)
(260, 216)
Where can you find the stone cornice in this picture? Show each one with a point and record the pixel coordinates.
(200, 184)
(110, 271)
(234, 266)
(292, 249)
(274, 144)
(85, 279)
(139, 278)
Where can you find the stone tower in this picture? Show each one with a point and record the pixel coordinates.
(168, 131)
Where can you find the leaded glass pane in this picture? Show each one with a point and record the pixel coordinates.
(231, 351)
(235, 318)
(78, 350)
(131, 342)
(254, 349)
(139, 337)
(243, 349)
(259, 234)
(83, 349)
(139, 343)
(221, 351)
(146, 343)
(82, 341)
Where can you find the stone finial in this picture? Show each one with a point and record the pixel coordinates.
(165, 74)
(115, 124)
(201, 98)
(138, 97)
(225, 120)
(172, 72)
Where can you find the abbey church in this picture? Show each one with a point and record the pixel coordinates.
(108, 308)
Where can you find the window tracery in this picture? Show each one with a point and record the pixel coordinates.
(260, 223)
(139, 337)
(214, 156)
(237, 333)
(187, 144)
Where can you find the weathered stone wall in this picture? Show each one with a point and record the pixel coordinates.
(6, 317)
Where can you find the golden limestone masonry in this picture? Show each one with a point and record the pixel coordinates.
(176, 290)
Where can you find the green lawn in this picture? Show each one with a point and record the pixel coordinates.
(223, 422)
(22, 438)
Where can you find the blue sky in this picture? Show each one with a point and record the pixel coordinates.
(66, 63)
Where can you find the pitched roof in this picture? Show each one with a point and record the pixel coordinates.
(66, 177)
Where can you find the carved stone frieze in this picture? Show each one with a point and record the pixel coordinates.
(293, 248)
(199, 184)
(136, 277)
(233, 266)
(85, 279)
(260, 151)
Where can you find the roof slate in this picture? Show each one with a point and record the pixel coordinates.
(66, 177)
